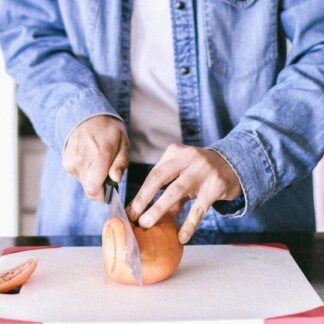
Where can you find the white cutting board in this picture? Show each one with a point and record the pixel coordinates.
(215, 282)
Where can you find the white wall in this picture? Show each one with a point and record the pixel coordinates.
(8, 155)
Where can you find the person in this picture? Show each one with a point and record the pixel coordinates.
(219, 122)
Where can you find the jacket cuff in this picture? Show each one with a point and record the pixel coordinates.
(248, 158)
(86, 104)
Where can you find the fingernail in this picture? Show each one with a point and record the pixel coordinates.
(146, 222)
(184, 237)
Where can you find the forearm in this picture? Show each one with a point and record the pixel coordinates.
(267, 159)
(55, 89)
(280, 139)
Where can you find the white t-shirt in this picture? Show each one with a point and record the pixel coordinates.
(154, 112)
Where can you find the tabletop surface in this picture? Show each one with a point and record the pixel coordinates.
(306, 248)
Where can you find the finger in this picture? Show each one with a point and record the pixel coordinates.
(196, 213)
(174, 211)
(94, 176)
(120, 162)
(157, 178)
(170, 153)
(174, 193)
(73, 161)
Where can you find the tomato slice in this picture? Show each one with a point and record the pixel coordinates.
(17, 276)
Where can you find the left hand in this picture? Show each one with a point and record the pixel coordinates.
(191, 172)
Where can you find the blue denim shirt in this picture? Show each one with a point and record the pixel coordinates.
(239, 93)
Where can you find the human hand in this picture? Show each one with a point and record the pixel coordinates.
(96, 148)
(192, 173)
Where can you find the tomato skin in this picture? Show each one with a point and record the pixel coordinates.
(17, 276)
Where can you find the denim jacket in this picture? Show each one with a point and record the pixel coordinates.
(239, 93)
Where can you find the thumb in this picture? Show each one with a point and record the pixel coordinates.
(120, 162)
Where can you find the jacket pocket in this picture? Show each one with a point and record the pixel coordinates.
(241, 36)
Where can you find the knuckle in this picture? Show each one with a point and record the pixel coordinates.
(192, 151)
(72, 158)
(196, 215)
(77, 160)
(139, 203)
(172, 147)
(206, 160)
(91, 189)
(102, 146)
(106, 149)
(176, 189)
(139, 199)
(200, 212)
(154, 175)
(154, 179)
(69, 165)
(91, 197)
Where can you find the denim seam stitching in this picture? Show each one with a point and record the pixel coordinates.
(253, 71)
(241, 4)
(189, 102)
(258, 141)
(247, 200)
(215, 64)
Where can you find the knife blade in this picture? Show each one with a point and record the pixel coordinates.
(116, 209)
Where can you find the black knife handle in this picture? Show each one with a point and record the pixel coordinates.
(109, 186)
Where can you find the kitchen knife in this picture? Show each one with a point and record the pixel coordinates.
(116, 209)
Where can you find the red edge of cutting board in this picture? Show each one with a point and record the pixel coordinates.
(313, 316)
(279, 246)
(16, 249)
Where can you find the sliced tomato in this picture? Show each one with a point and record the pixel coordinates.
(17, 276)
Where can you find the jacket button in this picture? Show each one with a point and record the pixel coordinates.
(180, 5)
(191, 131)
(185, 70)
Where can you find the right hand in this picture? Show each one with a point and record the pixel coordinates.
(98, 147)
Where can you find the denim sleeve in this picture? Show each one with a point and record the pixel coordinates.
(280, 139)
(55, 89)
